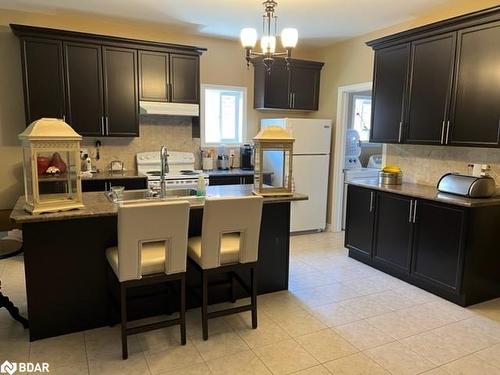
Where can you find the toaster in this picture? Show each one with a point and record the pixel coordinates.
(467, 186)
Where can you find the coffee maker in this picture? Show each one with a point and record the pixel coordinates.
(246, 157)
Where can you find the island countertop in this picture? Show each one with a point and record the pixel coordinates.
(97, 204)
(426, 192)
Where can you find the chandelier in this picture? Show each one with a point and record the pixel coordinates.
(289, 38)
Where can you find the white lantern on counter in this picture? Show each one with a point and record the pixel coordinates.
(51, 163)
(273, 161)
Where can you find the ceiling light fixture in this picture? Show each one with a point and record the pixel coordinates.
(289, 38)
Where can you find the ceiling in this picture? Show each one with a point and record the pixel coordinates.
(318, 21)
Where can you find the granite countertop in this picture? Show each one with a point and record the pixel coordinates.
(97, 204)
(106, 175)
(426, 192)
(230, 172)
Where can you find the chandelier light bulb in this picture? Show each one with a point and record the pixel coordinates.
(248, 37)
(289, 37)
(268, 44)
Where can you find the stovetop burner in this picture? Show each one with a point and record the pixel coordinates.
(189, 173)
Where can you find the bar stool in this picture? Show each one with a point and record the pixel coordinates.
(152, 241)
(229, 242)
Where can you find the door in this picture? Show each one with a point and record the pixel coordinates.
(475, 119)
(304, 87)
(184, 79)
(360, 220)
(84, 88)
(393, 229)
(277, 89)
(121, 92)
(438, 244)
(310, 175)
(153, 76)
(43, 79)
(430, 89)
(389, 91)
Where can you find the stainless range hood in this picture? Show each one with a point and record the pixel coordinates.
(172, 109)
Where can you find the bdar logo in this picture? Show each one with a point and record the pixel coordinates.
(8, 368)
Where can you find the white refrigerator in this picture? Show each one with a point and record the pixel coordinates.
(311, 165)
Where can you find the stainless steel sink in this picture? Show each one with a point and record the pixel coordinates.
(136, 196)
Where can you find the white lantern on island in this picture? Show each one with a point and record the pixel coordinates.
(273, 161)
(51, 163)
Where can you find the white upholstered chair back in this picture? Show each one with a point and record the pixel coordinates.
(230, 215)
(148, 222)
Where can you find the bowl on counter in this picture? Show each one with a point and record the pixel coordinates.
(390, 178)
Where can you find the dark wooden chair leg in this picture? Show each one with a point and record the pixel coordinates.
(13, 310)
(253, 281)
(204, 304)
(123, 305)
(182, 311)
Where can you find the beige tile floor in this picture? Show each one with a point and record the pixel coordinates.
(339, 317)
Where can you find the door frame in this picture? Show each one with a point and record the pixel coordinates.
(337, 179)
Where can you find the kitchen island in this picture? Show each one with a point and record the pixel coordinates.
(67, 272)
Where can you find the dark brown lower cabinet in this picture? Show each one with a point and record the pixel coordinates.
(448, 250)
(359, 220)
(393, 231)
(230, 179)
(438, 244)
(104, 185)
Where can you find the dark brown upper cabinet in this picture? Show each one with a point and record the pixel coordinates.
(84, 88)
(289, 87)
(92, 81)
(121, 101)
(389, 91)
(475, 119)
(184, 79)
(169, 77)
(430, 89)
(43, 78)
(452, 92)
(153, 76)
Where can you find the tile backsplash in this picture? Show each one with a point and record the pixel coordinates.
(173, 131)
(155, 131)
(426, 164)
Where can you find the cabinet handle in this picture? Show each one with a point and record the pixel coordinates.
(411, 210)
(415, 212)
(107, 125)
(102, 126)
(64, 118)
(293, 100)
(371, 201)
(400, 131)
(290, 100)
(447, 130)
(442, 132)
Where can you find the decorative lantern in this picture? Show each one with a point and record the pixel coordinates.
(273, 162)
(51, 162)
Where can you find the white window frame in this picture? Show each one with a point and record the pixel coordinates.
(243, 89)
(365, 143)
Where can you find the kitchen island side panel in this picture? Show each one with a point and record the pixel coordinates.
(66, 271)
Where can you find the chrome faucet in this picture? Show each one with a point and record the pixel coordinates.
(164, 170)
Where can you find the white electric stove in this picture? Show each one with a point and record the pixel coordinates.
(181, 169)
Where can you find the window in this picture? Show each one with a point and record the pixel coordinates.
(223, 115)
(361, 116)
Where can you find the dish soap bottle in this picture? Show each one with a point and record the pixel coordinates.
(200, 188)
